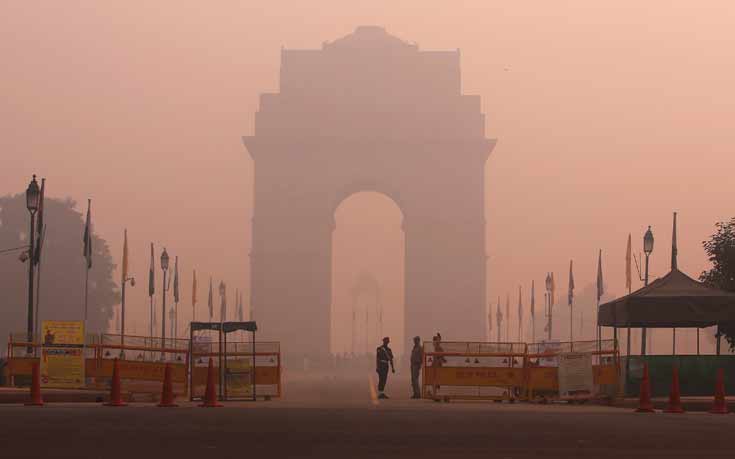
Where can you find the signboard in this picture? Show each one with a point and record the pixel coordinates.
(62, 354)
(458, 376)
(549, 347)
(575, 374)
(239, 378)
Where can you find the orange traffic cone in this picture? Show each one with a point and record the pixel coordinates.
(36, 399)
(675, 394)
(720, 405)
(115, 390)
(210, 395)
(167, 392)
(644, 404)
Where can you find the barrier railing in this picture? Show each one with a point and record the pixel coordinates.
(473, 370)
(520, 371)
(142, 362)
(547, 381)
(263, 363)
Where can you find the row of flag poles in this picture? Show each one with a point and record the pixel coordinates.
(549, 303)
(173, 312)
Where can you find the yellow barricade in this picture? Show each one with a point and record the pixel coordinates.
(473, 371)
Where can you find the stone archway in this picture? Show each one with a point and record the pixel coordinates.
(368, 112)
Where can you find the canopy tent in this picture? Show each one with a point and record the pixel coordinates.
(673, 301)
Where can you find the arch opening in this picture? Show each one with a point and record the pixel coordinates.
(368, 259)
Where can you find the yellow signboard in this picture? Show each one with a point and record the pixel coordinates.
(58, 333)
(239, 378)
(62, 354)
(461, 376)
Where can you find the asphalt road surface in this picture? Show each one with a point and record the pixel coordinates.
(340, 419)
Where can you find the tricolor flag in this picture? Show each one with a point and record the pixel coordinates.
(499, 317)
(628, 272)
(520, 312)
(194, 289)
(674, 249)
(88, 235)
(210, 300)
(39, 223)
(176, 280)
(223, 305)
(152, 276)
(490, 320)
(600, 284)
(570, 294)
(507, 316)
(125, 258)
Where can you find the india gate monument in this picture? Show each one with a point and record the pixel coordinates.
(368, 112)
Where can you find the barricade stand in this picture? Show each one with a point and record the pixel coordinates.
(473, 370)
(245, 369)
(572, 371)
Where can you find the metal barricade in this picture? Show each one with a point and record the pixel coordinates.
(473, 370)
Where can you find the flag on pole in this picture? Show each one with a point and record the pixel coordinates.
(674, 249)
(553, 290)
(176, 280)
(507, 316)
(490, 320)
(499, 317)
(239, 308)
(533, 299)
(152, 275)
(223, 305)
(210, 300)
(88, 235)
(628, 272)
(570, 295)
(39, 223)
(125, 258)
(194, 289)
(520, 313)
(600, 284)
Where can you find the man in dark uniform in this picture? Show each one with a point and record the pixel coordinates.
(383, 358)
(417, 360)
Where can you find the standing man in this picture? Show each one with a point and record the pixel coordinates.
(383, 358)
(417, 360)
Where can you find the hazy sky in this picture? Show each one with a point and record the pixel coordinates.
(609, 115)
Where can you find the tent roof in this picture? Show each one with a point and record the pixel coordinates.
(675, 300)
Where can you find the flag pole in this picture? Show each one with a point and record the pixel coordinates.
(87, 261)
(37, 332)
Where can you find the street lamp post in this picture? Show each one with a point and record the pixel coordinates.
(164, 267)
(647, 249)
(550, 302)
(33, 194)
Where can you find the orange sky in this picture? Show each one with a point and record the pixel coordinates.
(608, 118)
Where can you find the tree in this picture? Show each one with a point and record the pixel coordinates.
(720, 249)
(62, 268)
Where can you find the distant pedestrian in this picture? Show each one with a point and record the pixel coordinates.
(417, 360)
(383, 359)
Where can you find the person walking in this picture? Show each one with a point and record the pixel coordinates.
(417, 360)
(383, 359)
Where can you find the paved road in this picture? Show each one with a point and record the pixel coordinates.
(355, 426)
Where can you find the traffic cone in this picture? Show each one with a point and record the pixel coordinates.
(115, 390)
(644, 404)
(720, 405)
(167, 392)
(36, 399)
(210, 395)
(675, 394)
